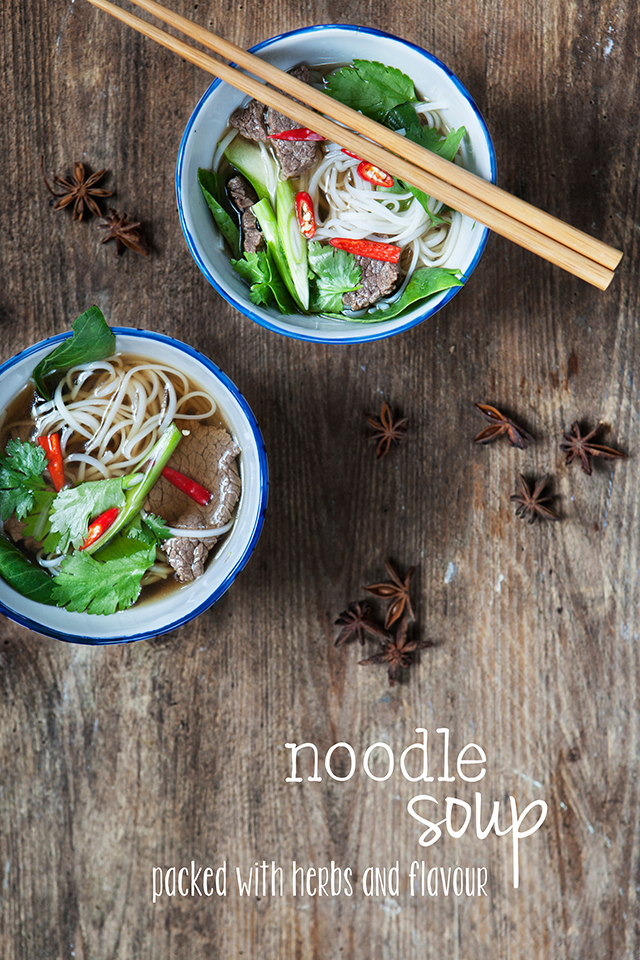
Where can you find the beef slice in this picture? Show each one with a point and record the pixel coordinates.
(243, 196)
(294, 156)
(249, 121)
(206, 455)
(379, 278)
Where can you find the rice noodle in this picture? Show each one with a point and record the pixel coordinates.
(110, 414)
(199, 534)
(222, 146)
(347, 206)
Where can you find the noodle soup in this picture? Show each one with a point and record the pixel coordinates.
(109, 415)
(209, 402)
(454, 244)
(337, 201)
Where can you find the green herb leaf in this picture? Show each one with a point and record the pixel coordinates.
(37, 523)
(335, 272)
(150, 530)
(371, 87)
(254, 268)
(133, 540)
(423, 284)
(210, 184)
(423, 199)
(157, 526)
(136, 494)
(403, 117)
(74, 508)
(21, 469)
(388, 96)
(446, 146)
(92, 339)
(102, 587)
(259, 271)
(26, 577)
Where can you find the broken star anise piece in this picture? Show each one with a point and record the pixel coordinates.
(397, 652)
(355, 623)
(577, 447)
(77, 190)
(387, 430)
(532, 505)
(396, 590)
(499, 424)
(123, 232)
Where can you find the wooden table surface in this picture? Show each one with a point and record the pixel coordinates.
(119, 759)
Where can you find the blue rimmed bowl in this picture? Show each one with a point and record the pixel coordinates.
(149, 618)
(326, 45)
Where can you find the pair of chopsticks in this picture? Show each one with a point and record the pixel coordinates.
(531, 228)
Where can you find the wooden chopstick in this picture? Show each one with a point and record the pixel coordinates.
(458, 176)
(593, 261)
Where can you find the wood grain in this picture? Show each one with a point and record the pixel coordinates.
(119, 759)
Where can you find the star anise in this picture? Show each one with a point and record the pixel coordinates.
(578, 447)
(355, 623)
(532, 505)
(123, 232)
(387, 430)
(397, 651)
(77, 190)
(397, 591)
(499, 424)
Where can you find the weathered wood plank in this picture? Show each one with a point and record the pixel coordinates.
(119, 759)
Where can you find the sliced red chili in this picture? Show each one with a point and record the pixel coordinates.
(188, 486)
(371, 173)
(51, 447)
(368, 248)
(99, 526)
(297, 133)
(304, 212)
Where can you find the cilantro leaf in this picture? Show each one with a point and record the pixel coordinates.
(266, 283)
(157, 526)
(371, 87)
(92, 339)
(26, 577)
(133, 540)
(255, 270)
(74, 508)
(21, 469)
(150, 530)
(424, 283)
(335, 272)
(27, 457)
(102, 587)
(210, 185)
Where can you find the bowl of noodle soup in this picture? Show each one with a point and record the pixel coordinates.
(347, 207)
(151, 381)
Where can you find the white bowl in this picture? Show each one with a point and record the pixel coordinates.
(329, 44)
(152, 617)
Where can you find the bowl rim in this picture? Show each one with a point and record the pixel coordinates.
(309, 335)
(221, 589)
